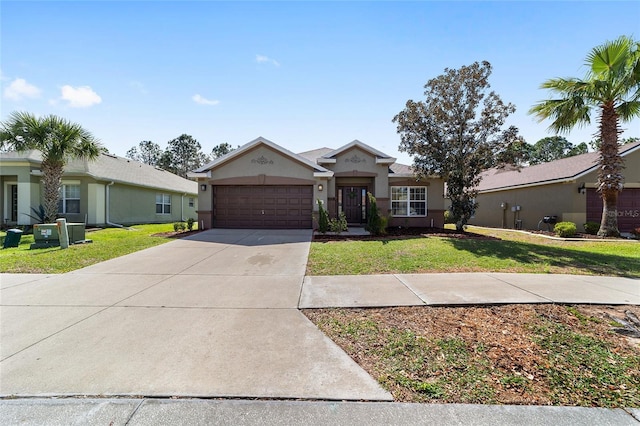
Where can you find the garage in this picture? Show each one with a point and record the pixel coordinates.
(263, 206)
(628, 208)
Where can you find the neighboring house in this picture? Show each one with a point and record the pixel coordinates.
(262, 185)
(108, 191)
(564, 188)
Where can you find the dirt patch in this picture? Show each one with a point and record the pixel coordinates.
(512, 354)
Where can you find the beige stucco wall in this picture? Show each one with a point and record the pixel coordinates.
(560, 199)
(354, 161)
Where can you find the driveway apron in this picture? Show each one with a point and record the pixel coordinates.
(212, 315)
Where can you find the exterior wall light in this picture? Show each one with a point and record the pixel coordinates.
(582, 189)
(203, 187)
(320, 187)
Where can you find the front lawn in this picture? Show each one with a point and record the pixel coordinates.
(503, 251)
(107, 244)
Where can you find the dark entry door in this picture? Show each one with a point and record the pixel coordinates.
(354, 203)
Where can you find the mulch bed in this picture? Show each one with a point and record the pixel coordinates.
(498, 340)
(175, 234)
(400, 233)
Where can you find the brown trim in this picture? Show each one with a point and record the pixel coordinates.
(355, 173)
(261, 180)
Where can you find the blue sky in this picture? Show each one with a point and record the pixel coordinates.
(302, 74)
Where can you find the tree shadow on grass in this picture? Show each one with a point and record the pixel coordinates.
(560, 257)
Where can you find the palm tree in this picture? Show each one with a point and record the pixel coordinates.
(58, 140)
(612, 88)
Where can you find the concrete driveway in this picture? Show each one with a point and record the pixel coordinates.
(213, 315)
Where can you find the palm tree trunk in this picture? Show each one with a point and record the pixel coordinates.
(610, 179)
(51, 182)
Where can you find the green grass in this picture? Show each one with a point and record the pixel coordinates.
(512, 253)
(584, 370)
(107, 244)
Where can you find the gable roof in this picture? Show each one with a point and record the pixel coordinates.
(259, 141)
(108, 167)
(381, 157)
(565, 169)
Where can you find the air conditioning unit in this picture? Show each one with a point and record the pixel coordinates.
(45, 235)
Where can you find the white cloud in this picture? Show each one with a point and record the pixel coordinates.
(19, 89)
(204, 101)
(261, 59)
(80, 97)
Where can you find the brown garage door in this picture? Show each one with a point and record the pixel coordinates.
(628, 208)
(262, 207)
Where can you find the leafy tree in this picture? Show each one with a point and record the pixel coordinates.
(612, 89)
(554, 148)
(597, 142)
(58, 140)
(183, 154)
(146, 152)
(220, 150)
(455, 133)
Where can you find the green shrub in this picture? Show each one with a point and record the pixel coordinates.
(565, 229)
(375, 224)
(179, 226)
(338, 225)
(591, 228)
(190, 223)
(448, 217)
(323, 218)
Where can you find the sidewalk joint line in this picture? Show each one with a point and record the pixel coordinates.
(408, 286)
(135, 410)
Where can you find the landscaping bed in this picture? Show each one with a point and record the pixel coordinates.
(395, 233)
(511, 354)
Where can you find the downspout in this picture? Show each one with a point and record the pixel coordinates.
(107, 208)
(182, 207)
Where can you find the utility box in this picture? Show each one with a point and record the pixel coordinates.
(45, 235)
(76, 232)
(12, 239)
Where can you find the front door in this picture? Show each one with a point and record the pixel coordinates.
(13, 189)
(354, 203)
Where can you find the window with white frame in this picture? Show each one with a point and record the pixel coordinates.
(408, 201)
(163, 204)
(191, 202)
(69, 199)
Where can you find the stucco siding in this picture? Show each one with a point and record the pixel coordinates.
(562, 200)
(261, 160)
(130, 205)
(355, 161)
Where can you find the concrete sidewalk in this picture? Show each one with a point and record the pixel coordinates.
(465, 289)
(154, 412)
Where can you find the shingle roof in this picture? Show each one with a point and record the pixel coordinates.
(117, 169)
(314, 154)
(554, 171)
